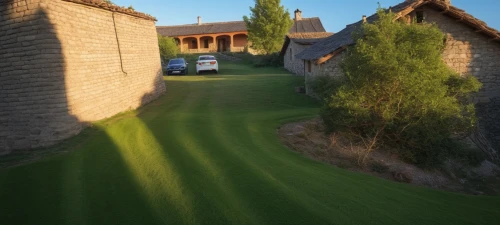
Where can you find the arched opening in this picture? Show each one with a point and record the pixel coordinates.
(240, 40)
(207, 43)
(190, 43)
(177, 41)
(223, 43)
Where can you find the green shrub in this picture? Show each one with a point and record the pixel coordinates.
(467, 156)
(397, 91)
(168, 48)
(267, 25)
(271, 60)
(378, 167)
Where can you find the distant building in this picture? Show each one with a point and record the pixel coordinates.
(296, 43)
(226, 36)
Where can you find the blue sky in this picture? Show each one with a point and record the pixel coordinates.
(334, 14)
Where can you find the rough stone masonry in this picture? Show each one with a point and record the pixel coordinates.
(64, 63)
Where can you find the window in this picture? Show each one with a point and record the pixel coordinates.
(208, 57)
(194, 44)
(291, 54)
(206, 43)
(175, 61)
(420, 16)
(308, 66)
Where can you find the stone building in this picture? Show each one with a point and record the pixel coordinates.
(64, 63)
(226, 36)
(472, 47)
(298, 42)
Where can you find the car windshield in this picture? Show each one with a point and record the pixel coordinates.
(176, 61)
(207, 58)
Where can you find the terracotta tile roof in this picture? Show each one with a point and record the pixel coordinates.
(343, 38)
(307, 25)
(304, 25)
(112, 7)
(309, 35)
(307, 38)
(204, 28)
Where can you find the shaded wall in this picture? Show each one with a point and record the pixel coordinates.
(63, 64)
(330, 68)
(471, 52)
(291, 63)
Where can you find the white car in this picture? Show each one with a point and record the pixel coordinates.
(207, 63)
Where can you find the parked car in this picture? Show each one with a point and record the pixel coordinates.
(207, 63)
(177, 66)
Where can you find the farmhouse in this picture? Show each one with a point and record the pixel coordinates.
(226, 36)
(472, 47)
(64, 63)
(298, 42)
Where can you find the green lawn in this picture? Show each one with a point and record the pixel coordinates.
(207, 153)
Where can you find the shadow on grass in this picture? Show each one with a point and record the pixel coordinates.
(207, 153)
(88, 185)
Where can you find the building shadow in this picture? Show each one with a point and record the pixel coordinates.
(34, 110)
(71, 188)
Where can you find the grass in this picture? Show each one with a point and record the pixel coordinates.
(207, 153)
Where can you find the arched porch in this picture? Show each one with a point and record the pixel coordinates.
(223, 43)
(189, 44)
(240, 41)
(207, 44)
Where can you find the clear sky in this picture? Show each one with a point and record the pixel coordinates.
(334, 14)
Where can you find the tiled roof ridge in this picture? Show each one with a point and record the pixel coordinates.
(309, 35)
(195, 24)
(343, 37)
(215, 23)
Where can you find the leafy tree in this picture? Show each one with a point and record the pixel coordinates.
(267, 25)
(398, 92)
(168, 47)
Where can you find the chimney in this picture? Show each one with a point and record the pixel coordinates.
(447, 2)
(298, 15)
(364, 18)
(199, 20)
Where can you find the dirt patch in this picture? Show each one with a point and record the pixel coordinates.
(309, 138)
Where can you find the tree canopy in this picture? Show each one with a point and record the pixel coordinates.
(267, 25)
(398, 91)
(168, 48)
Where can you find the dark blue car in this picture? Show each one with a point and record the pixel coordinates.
(177, 66)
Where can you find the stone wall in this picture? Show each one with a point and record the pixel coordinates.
(329, 68)
(470, 52)
(293, 64)
(63, 64)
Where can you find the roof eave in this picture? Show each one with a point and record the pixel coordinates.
(285, 46)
